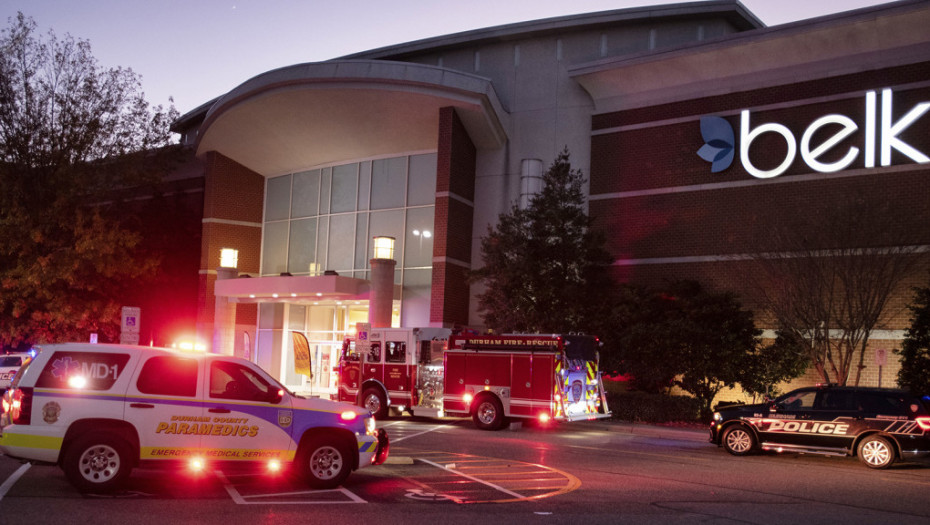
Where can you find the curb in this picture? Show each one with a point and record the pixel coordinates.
(643, 429)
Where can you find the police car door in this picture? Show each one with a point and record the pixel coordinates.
(250, 416)
(832, 420)
(166, 407)
(788, 416)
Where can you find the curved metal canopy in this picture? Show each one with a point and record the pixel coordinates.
(308, 115)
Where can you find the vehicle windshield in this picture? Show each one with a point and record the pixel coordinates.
(583, 347)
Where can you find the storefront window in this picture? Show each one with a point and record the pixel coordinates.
(341, 253)
(421, 183)
(278, 198)
(306, 202)
(389, 183)
(301, 246)
(345, 188)
(324, 219)
(274, 249)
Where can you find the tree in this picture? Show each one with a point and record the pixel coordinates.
(828, 276)
(700, 341)
(774, 363)
(71, 134)
(545, 269)
(915, 349)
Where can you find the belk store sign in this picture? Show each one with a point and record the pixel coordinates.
(823, 143)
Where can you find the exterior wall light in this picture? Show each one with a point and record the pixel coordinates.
(229, 258)
(383, 248)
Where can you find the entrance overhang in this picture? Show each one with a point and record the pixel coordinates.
(314, 114)
(322, 289)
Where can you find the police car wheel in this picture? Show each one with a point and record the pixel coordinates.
(488, 413)
(876, 452)
(739, 441)
(97, 463)
(325, 462)
(373, 401)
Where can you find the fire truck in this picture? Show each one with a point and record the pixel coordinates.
(491, 378)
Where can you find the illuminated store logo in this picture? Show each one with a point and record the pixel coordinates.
(719, 148)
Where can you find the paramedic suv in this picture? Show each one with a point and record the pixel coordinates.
(878, 425)
(98, 411)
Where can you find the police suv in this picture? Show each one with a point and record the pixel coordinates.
(9, 366)
(878, 425)
(98, 411)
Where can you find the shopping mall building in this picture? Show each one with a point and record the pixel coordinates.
(696, 125)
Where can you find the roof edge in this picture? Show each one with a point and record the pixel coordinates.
(734, 10)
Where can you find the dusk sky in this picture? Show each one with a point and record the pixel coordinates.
(195, 50)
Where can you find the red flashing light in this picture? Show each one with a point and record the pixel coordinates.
(923, 423)
(21, 406)
(197, 464)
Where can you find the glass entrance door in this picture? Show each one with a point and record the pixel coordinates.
(325, 327)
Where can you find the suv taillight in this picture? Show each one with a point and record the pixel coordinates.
(21, 406)
(924, 423)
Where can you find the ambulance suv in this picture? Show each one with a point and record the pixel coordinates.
(99, 411)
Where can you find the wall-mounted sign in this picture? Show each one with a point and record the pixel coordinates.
(882, 135)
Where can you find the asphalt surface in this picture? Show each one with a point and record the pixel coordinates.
(642, 429)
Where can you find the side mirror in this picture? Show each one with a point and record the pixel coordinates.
(275, 396)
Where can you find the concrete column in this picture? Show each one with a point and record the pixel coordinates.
(224, 318)
(381, 301)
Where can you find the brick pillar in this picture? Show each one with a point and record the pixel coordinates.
(455, 194)
(234, 198)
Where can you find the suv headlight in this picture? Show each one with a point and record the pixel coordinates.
(370, 426)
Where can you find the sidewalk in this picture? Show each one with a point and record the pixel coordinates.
(644, 429)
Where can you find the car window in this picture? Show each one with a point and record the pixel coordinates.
(395, 352)
(374, 353)
(168, 376)
(234, 381)
(799, 400)
(881, 403)
(11, 360)
(836, 400)
(82, 370)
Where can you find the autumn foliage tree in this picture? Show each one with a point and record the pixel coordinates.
(71, 133)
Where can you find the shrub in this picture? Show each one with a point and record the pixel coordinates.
(647, 407)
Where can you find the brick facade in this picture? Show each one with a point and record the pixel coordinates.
(455, 183)
(667, 216)
(233, 210)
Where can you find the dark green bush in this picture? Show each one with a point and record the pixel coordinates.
(646, 407)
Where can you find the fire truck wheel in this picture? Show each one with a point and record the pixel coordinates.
(373, 401)
(488, 413)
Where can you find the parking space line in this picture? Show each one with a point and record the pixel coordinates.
(10, 481)
(476, 480)
(245, 500)
(437, 427)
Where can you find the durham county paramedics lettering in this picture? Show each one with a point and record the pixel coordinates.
(202, 426)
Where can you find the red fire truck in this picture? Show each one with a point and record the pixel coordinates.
(431, 372)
